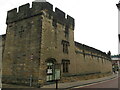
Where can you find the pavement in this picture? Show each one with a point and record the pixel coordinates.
(69, 85)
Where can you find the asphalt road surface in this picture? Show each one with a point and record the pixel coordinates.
(113, 83)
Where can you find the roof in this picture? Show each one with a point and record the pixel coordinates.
(115, 56)
(90, 49)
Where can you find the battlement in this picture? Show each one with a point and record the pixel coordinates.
(25, 11)
(91, 49)
(118, 6)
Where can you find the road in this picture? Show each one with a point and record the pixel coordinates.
(113, 83)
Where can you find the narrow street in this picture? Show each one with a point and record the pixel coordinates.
(105, 82)
(113, 83)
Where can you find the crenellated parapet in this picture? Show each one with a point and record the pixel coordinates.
(92, 50)
(25, 12)
(118, 5)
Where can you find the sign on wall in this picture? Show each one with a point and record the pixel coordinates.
(57, 74)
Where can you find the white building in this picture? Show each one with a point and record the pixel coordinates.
(116, 61)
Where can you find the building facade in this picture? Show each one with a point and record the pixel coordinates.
(39, 47)
(116, 62)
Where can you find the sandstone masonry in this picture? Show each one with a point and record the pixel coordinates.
(39, 47)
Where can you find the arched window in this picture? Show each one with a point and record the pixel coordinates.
(50, 69)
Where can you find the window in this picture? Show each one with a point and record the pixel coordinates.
(65, 66)
(65, 46)
(54, 23)
(66, 31)
(21, 31)
(49, 68)
(50, 71)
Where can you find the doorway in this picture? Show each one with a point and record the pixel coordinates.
(50, 70)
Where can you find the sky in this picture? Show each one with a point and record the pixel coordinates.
(96, 21)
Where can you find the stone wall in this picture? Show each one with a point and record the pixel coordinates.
(0, 61)
(74, 78)
(53, 33)
(83, 59)
(21, 59)
(35, 35)
(2, 44)
(91, 60)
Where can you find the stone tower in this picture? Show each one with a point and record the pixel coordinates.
(40, 48)
(34, 37)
